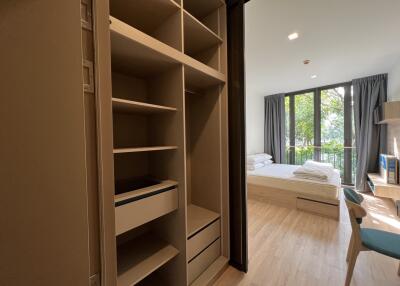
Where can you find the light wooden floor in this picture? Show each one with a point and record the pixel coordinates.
(289, 247)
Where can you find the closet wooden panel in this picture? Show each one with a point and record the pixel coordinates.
(223, 61)
(44, 206)
(103, 80)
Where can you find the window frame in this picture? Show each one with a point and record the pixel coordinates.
(347, 128)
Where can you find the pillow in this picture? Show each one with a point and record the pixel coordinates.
(252, 167)
(257, 158)
(268, 162)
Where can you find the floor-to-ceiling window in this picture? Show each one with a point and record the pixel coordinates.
(319, 126)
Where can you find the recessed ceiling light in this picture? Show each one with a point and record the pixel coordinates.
(293, 36)
(314, 76)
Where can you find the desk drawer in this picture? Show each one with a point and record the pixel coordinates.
(201, 262)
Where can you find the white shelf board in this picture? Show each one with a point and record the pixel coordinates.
(198, 37)
(142, 256)
(128, 106)
(198, 217)
(143, 149)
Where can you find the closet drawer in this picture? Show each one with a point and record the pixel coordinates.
(203, 260)
(204, 238)
(136, 213)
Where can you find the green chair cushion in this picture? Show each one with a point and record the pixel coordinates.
(384, 242)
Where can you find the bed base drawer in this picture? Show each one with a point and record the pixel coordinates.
(321, 208)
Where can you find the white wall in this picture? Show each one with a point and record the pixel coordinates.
(394, 83)
(394, 94)
(254, 124)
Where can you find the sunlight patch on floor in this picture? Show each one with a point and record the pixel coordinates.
(385, 219)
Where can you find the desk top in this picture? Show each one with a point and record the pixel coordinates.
(383, 189)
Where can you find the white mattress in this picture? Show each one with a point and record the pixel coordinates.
(280, 176)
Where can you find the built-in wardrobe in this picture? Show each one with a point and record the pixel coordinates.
(161, 72)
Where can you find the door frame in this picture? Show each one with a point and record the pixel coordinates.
(237, 136)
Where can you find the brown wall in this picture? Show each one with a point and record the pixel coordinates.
(43, 205)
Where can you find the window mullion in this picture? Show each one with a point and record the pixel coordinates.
(317, 124)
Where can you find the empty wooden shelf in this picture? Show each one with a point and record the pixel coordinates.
(137, 53)
(195, 80)
(143, 149)
(160, 19)
(127, 106)
(198, 218)
(198, 37)
(142, 256)
(201, 9)
(145, 15)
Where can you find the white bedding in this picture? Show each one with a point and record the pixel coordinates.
(280, 176)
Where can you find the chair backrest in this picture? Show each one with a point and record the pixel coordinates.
(356, 211)
(353, 196)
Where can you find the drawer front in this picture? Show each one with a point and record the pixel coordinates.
(203, 260)
(144, 210)
(318, 207)
(202, 239)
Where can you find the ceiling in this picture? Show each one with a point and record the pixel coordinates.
(344, 39)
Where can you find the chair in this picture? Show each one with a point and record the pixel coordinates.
(365, 239)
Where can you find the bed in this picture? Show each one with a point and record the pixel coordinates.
(277, 184)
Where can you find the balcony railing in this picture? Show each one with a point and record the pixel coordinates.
(333, 155)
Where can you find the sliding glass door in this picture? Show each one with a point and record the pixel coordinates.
(319, 127)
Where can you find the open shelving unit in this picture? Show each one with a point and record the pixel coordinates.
(168, 103)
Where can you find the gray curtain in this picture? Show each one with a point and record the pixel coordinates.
(274, 127)
(368, 94)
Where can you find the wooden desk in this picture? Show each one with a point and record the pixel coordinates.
(382, 189)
